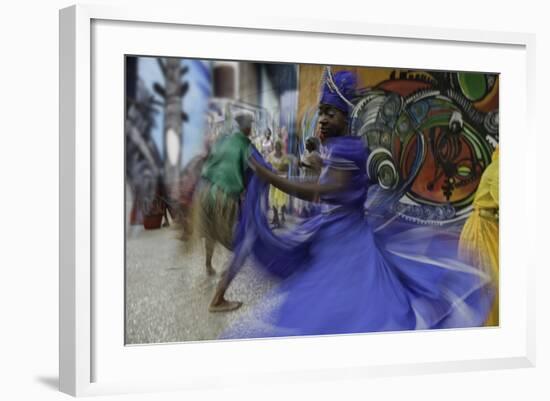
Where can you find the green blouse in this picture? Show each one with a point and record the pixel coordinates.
(226, 165)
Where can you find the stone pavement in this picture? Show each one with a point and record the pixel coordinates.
(168, 291)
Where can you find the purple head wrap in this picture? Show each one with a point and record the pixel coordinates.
(338, 90)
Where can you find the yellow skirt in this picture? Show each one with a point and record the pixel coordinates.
(479, 247)
(277, 198)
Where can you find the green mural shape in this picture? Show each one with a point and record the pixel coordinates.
(473, 85)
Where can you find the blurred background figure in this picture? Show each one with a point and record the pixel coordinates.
(266, 146)
(311, 161)
(143, 162)
(310, 164)
(479, 238)
(277, 198)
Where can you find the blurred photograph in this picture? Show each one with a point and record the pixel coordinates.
(279, 200)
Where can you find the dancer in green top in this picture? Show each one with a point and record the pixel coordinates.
(225, 166)
(217, 200)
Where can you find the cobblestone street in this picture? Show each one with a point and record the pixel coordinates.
(168, 291)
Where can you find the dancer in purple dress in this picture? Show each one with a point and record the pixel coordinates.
(337, 274)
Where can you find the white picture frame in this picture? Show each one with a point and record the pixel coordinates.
(86, 332)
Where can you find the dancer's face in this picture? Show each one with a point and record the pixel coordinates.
(332, 122)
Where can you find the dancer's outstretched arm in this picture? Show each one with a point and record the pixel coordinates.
(308, 191)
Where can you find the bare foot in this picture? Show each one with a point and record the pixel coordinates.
(224, 306)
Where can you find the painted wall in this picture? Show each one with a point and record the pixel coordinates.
(431, 134)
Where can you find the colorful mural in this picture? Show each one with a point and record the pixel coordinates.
(431, 134)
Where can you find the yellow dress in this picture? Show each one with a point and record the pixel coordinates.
(278, 198)
(479, 238)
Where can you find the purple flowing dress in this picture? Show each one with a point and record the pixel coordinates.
(339, 275)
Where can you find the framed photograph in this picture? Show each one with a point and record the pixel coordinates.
(323, 206)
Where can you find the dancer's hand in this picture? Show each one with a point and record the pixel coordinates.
(306, 191)
(260, 170)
